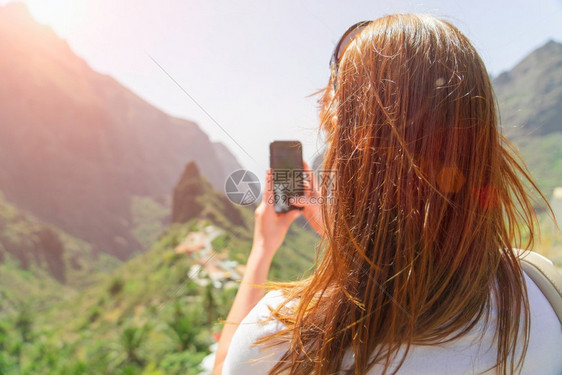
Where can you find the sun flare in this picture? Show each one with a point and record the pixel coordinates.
(64, 16)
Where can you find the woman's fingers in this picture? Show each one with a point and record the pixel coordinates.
(290, 216)
(311, 183)
(268, 187)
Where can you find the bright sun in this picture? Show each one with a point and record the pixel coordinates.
(64, 16)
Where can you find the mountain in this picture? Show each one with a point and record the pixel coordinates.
(76, 146)
(40, 264)
(530, 104)
(31, 256)
(195, 198)
(530, 94)
(227, 160)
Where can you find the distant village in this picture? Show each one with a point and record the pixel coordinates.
(210, 266)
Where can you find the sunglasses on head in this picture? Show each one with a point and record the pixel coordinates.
(346, 38)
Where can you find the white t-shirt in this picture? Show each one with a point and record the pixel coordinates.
(469, 354)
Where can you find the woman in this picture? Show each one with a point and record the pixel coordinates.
(417, 275)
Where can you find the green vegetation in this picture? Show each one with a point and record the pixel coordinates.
(148, 219)
(41, 265)
(530, 98)
(543, 156)
(149, 316)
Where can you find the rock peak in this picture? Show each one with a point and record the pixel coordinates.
(185, 205)
(16, 10)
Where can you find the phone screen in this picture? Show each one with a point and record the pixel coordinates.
(288, 173)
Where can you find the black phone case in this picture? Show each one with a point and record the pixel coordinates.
(272, 146)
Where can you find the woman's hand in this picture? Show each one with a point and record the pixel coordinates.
(312, 210)
(269, 232)
(270, 227)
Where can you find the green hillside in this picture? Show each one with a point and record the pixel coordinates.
(530, 94)
(150, 315)
(40, 264)
(158, 312)
(543, 156)
(530, 101)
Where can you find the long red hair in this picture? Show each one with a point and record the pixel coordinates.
(427, 207)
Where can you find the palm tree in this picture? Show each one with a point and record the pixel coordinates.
(184, 326)
(210, 303)
(24, 323)
(131, 341)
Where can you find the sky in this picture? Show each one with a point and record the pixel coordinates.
(248, 69)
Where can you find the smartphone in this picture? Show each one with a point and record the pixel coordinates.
(285, 159)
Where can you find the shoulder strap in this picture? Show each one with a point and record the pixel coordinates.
(545, 275)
